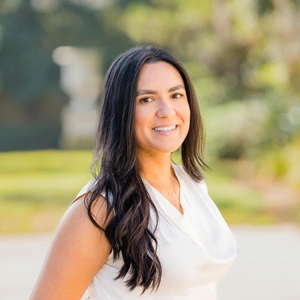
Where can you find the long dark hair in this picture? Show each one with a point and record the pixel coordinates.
(118, 176)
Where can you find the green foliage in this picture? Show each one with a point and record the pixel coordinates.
(242, 55)
(37, 187)
(31, 98)
(237, 202)
(282, 163)
(42, 133)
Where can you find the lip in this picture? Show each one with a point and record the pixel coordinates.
(165, 129)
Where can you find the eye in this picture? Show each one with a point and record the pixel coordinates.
(177, 96)
(146, 100)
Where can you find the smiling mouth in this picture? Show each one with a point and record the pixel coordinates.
(165, 129)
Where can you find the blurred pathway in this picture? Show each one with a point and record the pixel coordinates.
(267, 267)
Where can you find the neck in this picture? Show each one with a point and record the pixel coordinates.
(156, 168)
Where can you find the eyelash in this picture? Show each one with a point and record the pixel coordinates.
(180, 95)
(149, 99)
(142, 100)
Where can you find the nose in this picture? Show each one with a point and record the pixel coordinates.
(165, 110)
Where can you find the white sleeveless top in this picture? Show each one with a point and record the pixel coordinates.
(196, 249)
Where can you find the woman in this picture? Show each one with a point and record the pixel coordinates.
(144, 227)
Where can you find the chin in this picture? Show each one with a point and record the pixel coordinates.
(169, 149)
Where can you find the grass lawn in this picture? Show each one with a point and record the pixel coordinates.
(36, 188)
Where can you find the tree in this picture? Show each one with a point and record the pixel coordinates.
(31, 98)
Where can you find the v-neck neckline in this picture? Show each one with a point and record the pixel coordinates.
(172, 215)
(165, 204)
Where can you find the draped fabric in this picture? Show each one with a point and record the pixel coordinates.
(196, 248)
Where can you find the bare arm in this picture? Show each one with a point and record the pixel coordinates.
(78, 252)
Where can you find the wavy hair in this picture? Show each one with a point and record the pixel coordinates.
(116, 168)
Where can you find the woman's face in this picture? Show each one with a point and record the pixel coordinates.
(162, 115)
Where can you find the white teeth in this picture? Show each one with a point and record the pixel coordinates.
(165, 128)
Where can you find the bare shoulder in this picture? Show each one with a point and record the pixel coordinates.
(77, 212)
(78, 252)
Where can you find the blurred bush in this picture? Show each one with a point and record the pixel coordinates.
(31, 98)
(243, 56)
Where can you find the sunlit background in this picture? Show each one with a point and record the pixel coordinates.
(244, 60)
(243, 57)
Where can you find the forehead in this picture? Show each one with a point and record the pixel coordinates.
(158, 74)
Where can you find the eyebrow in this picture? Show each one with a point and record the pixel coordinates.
(172, 89)
(176, 87)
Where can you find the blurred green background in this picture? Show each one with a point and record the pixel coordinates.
(243, 57)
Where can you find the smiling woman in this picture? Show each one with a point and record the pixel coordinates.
(162, 113)
(144, 227)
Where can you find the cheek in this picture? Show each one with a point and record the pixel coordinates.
(140, 122)
(188, 124)
(139, 119)
(144, 116)
(186, 114)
